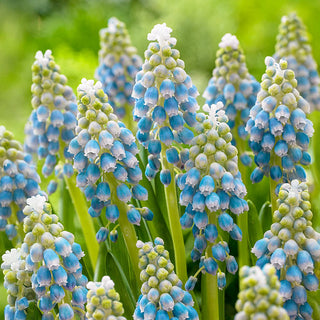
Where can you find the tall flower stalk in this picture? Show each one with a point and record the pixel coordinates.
(19, 180)
(293, 45)
(292, 246)
(53, 119)
(165, 109)
(119, 64)
(278, 128)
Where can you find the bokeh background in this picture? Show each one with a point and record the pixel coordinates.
(70, 29)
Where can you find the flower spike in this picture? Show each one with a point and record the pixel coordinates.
(292, 246)
(259, 296)
(162, 296)
(278, 128)
(53, 120)
(235, 88)
(103, 301)
(293, 44)
(19, 180)
(105, 157)
(119, 64)
(212, 190)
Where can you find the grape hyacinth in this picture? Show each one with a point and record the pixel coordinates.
(119, 64)
(259, 296)
(293, 44)
(278, 127)
(103, 301)
(52, 259)
(232, 84)
(105, 157)
(212, 190)
(17, 282)
(165, 105)
(18, 181)
(53, 118)
(292, 246)
(162, 296)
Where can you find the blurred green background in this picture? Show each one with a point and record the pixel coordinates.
(70, 29)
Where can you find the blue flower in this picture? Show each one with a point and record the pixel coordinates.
(278, 127)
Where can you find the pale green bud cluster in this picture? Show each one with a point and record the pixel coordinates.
(259, 297)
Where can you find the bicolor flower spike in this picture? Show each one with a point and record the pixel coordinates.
(232, 84)
(278, 128)
(162, 296)
(53, 119)
(17, 282)
(212, 190)
(19, 180)
(259, 296)
(293, 44)
(119, 64)
(292, 246)
(103, 301)
(165, 105)
(105, 158)
(52, 260)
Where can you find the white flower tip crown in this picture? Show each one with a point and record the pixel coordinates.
(229, 40)
(36, 203)
(161, 33)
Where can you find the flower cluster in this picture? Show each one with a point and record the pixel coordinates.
(53, 119)
(103, 301)
(278, 127)
(259, 296)
(292, 246)
(235, 88)
(293, 44)
(52, 259)
(18, 181)
(118, 67)
(165, 105)
(105, 157)
(161, 294)
(212, 189)
(17, 282)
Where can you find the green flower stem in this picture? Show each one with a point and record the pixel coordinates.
(242, 219)
(174, 220)
(86, 222)
(128, 231)
(209, 288)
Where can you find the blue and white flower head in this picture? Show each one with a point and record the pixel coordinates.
(105, 158)
(52, 259)
(18, 181)
(293, 44)
(232, 84)
(18, 284)
(292, 246)
(165, 105)
(212, 190)
(259, 296)
(119, 64)
(162, 296)
(53, 118)
(278, 128)
(103, 301)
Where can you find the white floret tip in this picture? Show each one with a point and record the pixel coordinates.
(161, 33)
(228, 40)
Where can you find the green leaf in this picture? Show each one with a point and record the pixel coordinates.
(33, 313)
(313, 299)
(265, 216)
(255, 232)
